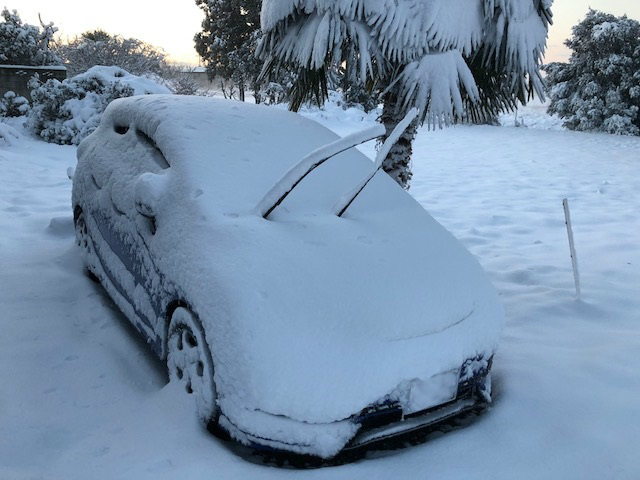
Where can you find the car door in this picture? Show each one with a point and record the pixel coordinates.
(128, 227)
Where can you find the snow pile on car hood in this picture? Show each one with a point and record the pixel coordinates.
(308, 315)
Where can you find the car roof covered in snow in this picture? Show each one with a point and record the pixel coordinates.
(237, 151)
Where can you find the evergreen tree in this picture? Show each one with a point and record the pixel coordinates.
(24, 44)
(228, 40)
(449, 59)
(599, 89)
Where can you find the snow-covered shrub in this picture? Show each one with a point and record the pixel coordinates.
(273, 93)
(101, 48)
(357, 94)
(12, 105)
(183, 85)
(24, 44)
(599, 89)
(180, 80)
(277, 86)
(66, 112)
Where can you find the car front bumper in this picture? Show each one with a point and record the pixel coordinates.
(386, 424)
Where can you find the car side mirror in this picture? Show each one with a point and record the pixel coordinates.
(149, 190)
(145, 209)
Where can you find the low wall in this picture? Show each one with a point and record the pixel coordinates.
(16, 77)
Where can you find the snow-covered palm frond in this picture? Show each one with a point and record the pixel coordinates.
(312, 41)
(435, 83)
(516, 34)
(410, 29)
(404, 30)
(427, 42)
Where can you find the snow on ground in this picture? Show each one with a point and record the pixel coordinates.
(81, 396)
(533, 115)
(8, 134)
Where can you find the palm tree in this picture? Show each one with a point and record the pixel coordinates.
(449, 58)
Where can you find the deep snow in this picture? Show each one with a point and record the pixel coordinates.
(83, 398)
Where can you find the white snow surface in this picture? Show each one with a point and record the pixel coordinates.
(533, 115)
(83, 397)
(8, 134)
(304, 303)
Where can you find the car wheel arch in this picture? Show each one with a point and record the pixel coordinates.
(77, 211)
(189, 324)
(170, 309)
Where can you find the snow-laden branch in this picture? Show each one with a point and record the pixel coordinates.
(434, 83)
(403, 30)
(347, 199)
(311, 40)
(429, 38)
(298, 172)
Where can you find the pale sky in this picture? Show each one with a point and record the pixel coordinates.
(171, 25)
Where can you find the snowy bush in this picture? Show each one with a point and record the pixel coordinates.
(357, 94)
(12, 105)
(101, 48)
(599, 89)
(183, 85)
(24, 44)
(180, 80)
(66, 112)
(273, 93)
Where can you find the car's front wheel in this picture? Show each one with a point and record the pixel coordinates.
(189, 361)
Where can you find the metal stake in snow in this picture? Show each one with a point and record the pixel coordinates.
(572, 248)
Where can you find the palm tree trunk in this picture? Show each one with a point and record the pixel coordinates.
(398, 161)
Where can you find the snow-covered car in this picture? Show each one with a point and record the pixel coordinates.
(308, 303)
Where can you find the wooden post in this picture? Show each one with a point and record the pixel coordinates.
(572, 248)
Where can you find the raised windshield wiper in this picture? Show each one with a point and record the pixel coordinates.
(283, 187)
(347, 199)
(304, 167)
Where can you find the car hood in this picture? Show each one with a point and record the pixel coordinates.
(314, 317)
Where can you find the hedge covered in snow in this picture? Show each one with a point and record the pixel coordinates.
(68, 111)
(12, 105)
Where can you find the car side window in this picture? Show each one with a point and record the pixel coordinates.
(155, 154)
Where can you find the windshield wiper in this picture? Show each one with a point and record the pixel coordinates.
(347, 199)
(304, 167)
